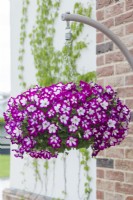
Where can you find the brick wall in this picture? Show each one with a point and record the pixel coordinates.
(115, 165)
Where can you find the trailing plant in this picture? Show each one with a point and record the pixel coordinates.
(46, 167)
(85, 162)
(35, 164)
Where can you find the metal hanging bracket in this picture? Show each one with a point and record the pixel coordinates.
(68, 34)
(85, 20)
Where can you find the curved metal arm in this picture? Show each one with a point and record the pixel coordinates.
(102, 28)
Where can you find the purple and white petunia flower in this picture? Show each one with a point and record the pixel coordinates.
(87, 134)
(86, 111)
(85, 124)
(74, 100)
(111, 123)
(75, 120)
(51, 113)
(90, 111)
(65, 109)
(52, 129)
(57, 107)
(55, 141)
(23, 101)
(106, 135)
(44, 103)
(72, 142)
(45, 124)
(17, 132)
(32, 130)
(64, 119)
(72, 128)
(81, 111)
(31, 108)
(104, 104)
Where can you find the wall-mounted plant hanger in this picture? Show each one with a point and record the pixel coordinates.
(85, 20)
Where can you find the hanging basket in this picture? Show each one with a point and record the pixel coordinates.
(50, 120)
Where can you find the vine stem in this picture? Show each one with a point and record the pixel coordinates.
(53, 186)
(65, 178)
(79, 173)
(46, 175)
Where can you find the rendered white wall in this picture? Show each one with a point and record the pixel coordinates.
(85, 64)
(5, 46)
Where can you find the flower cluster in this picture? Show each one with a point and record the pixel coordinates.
(46, 121)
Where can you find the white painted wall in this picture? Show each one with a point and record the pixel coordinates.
(5, 46)
(85, 64)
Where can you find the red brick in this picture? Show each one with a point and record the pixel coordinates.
(125, 92)
(115, 10)
(131, 116)
(102, 3)
(129, 103)
(124, 18)
(114, 57)
(124, 188)
(105, 185)
(124, 165)
(129, 198)
(127, 142)
(100, 82)
(109, 23)
(105, 71)
(100, 60)
(101, 154)
(129, 177)
(114, 81)
(129, 4)
(100, 15)
(115, 153)
(128, 41)
(100, 37)
(129, 28)
(122, 68)
(119, 31)
(129, 80)
(100, 195)
(114, 175)
(130, 131)
(129, 153)
(100, 173)
(111, 196)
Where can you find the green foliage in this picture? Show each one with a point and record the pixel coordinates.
(90, 76)
(84, 162)
(54, 66)
(46, 167)
(36, 170)
(45, 58)
(23, 36)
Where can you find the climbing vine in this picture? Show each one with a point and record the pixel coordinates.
(45, 58)
(23, 35)
(52, 65)
(46, 167)
(85, 163)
